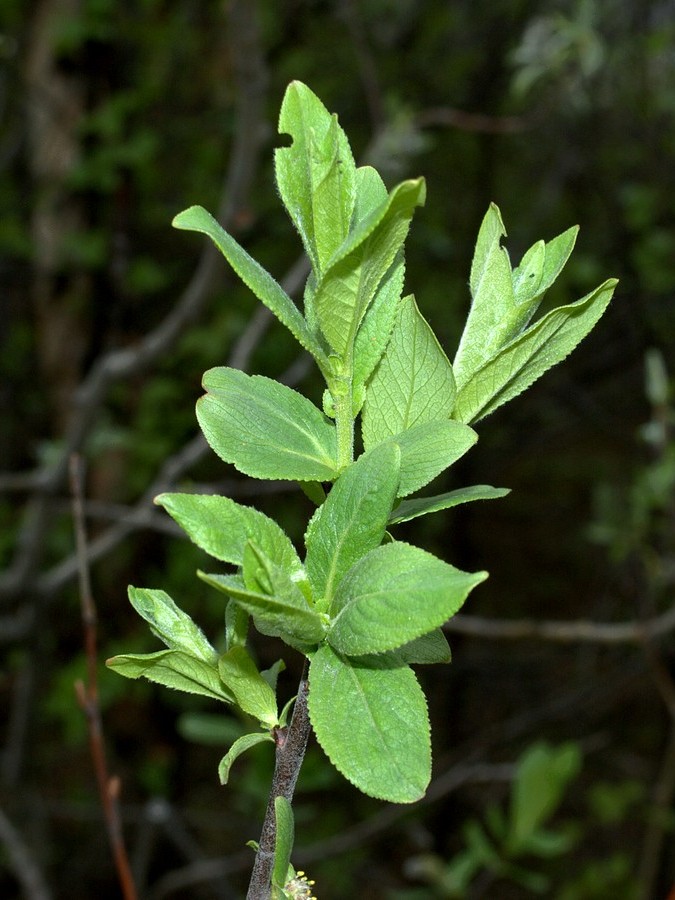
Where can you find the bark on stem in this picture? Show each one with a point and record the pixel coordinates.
(291, 744)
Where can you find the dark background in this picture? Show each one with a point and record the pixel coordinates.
(114, 116)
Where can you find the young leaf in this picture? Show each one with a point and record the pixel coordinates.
(257, 279)
(222, 527)
(517, 365)
(377, 325)
(353, 518)
(265, 429)
(282, 616)
(356, 271)
(372, 723)
(252, 693)
(316, 174)
(427, 450)
(413, 383)
(173, 669)
(236, 625)
(556, 253)
(170, 624)
(421, 506)
(241, 745)
(492, 298)
(394, 594)
(283, 847)
(527, 276)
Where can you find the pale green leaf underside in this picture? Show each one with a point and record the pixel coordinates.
(372, 723)
(413, 383)
(517, 365)
(252, 693)
(281, 616)
(492, 299)
(173, 669)
(316, 174)
(421, 506)
(350, 282)
(377, 324)
(394, 594)
(222, 527)
(257, 279)
(170, 624)
(241, 745)
(265, 429)
(353, 518)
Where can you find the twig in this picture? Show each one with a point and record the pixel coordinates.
(631, 632)
(22, 862)
(87, 695)
(658, 823)
(290, 753)
(466, 121)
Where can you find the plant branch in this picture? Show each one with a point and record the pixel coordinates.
(87, 695)
(22, 863)
(291, 744)
(634, 631)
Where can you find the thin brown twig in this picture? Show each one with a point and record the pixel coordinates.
(87, 695)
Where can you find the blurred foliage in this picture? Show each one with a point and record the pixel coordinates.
(561, 112)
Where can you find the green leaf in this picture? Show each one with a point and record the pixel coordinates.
(353, 518)
(556, 252)
(316, 174)
(542, 777)
(394, 594)
(492, 298)
(170, 624)
(521, 362)
(283, 846)
(236, 625)
(284, 616)
(356, 271)
(257, 279)
(372, 724)
(377, 325)
(421, 506)
(527, 276)
(252, 693)
(265, 429)
(427, 450)
(222, 527)
(173, 669)
(413, 383)
(429, 649)
(241, 745)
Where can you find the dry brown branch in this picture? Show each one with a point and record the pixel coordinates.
(579, 631)
(87, 695)
(448, 116)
